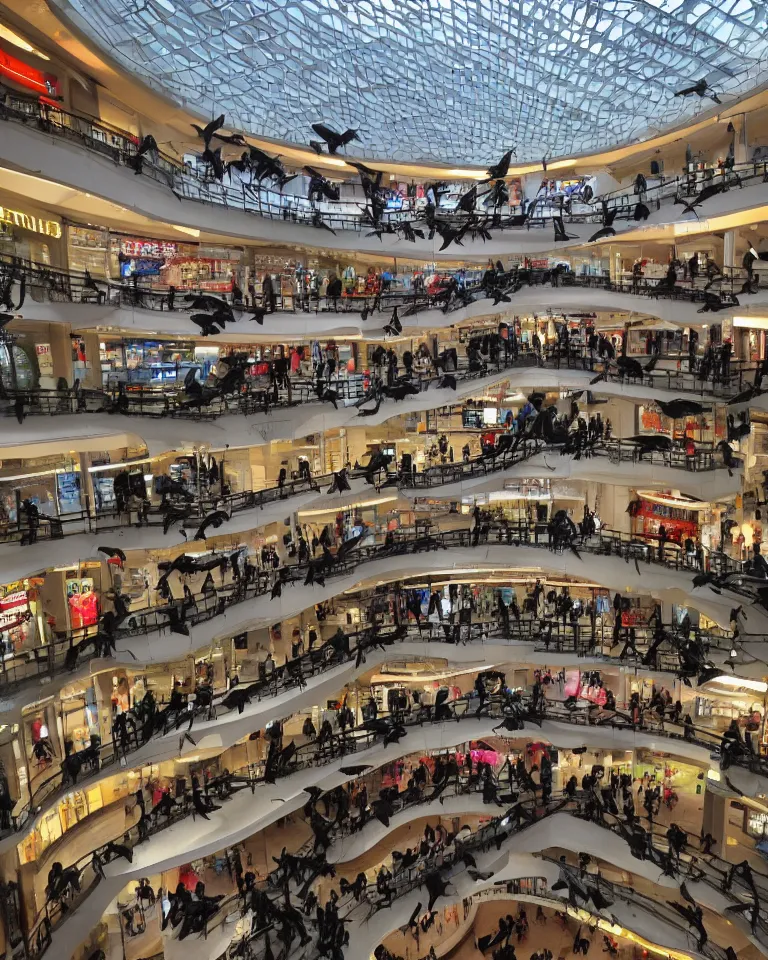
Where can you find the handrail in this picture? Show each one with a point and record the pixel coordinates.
(205, 606)
(195, 184)
(55, 284)
(616, 450)
(560, 638)
(319, 751)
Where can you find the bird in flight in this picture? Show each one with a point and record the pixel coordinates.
(702, 89)
(333, 139)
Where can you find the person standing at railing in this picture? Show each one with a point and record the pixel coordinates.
(268, 294)
(725, 361)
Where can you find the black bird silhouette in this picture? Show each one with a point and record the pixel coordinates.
(601, 234)
(650, 443)
(206, 133)
(711, 190)
(237, 699)
(713, 303)
(729, 460)
(214, 519)
(321, 184)
(437, 886)
(701, 89)
(210, 325)
(258, 315)
(320, 224)
(339, 483)
(677, 409)
(147, 146)
(330, 396)
(262, 165)
(113, 552)
(394, 327)
(408, 233)
(607, 229)
(497, 171)
(560, 234)
(208, 301)
(413, 919)
(468, 201)
(213, 159)
(401, 390)
(333, 139)
(383, 810)
(745, 396)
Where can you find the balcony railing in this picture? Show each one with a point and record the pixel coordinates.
(194, 183)
(57, 656)
(89, 868)
(581, 640)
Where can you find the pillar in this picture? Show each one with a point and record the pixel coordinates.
(740, 141)
(87, 499)
(730, 239)
(715, 821)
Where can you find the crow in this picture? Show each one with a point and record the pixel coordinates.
(701, 89)
(113, 552)
(711, 190)
(497, 171)
(148, 146)
(213, 519)
(206, 133)
(678, 409)
(560, 233)
(333, 139)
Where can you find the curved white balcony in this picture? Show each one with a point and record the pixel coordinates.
(143, 312)
(47, 150)
(40, 435)
(245, 814)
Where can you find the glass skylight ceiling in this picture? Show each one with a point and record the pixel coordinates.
(456, 81)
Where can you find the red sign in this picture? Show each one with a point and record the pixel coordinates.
(17, 599)
(26, 76)
(148, 249)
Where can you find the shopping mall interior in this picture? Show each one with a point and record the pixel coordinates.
(389, 581)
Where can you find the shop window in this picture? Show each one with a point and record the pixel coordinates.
(16, 369)
(87, 250)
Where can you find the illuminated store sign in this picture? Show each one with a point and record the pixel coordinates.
(151, 249)
(49, 228)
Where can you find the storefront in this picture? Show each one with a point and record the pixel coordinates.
(19, 626)
(651, 512)
(708, 427)
(55, 493)
(30, 232)
(157, 264)
(71, 597)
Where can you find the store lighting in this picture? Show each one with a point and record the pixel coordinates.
(349, 506)
(127, 463)
(18, 41)
(190, 231)
(755, 323)
(759, 686)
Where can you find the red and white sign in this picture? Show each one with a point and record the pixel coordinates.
(18, 599)
(44, 358)
(149, 249)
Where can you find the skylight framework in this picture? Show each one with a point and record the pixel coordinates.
(441, 80)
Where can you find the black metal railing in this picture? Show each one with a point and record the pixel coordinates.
(193, 182)
(60, 654)
(89, 868)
